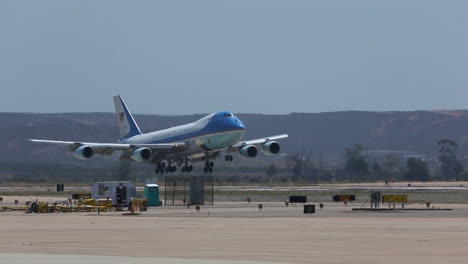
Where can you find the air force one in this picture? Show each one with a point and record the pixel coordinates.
(202, 140)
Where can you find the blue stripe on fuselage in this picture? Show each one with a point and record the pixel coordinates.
(189, 136)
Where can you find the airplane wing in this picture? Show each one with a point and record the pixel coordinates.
(258, 141)
(198, 157)
(108, 148)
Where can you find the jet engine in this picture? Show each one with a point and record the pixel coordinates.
(142, 154)
(249, 151)
(271, 148)
(84, 152)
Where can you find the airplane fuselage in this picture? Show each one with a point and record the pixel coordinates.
(213, 132)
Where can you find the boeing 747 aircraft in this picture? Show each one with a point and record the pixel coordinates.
(202, 140)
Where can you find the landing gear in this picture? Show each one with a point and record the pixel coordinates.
(228, 158)
(161, 168)
(208, 166)
(187, 168)
(171, 169)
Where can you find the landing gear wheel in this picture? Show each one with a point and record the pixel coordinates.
(211, 164)
(210, 170)
(159, 170)
(190, 168)
(205, 170)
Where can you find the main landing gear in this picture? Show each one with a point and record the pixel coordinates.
(208, 166)
(187, 168)
(161, 168)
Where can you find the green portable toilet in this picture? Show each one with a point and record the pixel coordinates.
(152, 194)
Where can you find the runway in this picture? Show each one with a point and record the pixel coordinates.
(239, 233)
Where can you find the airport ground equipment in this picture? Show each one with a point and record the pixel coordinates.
(152, 194)
(107, 203)
(77, 196)
(69, 205)
(298, 199)
(5, 208)
(119, 192)
(138, 205)
(309, 208)
(40, 207)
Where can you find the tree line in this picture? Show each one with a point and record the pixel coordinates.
(359, 166)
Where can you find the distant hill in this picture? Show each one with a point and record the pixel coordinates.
(325, 133)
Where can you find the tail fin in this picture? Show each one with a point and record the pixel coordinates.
(127, 125)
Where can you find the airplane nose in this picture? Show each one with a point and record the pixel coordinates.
(240, 125)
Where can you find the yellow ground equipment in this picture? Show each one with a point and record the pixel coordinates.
(70, 205)
(13, 208)
(40, 207)
(138, 204)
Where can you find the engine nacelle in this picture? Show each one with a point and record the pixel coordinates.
(84, 152)
(142, 154)
(271, 148)
(249, 151)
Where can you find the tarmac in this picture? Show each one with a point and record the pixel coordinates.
(80, 259)
(238, 233)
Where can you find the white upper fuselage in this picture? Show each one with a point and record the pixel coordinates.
(213, 132)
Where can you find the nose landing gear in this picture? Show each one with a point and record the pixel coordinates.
(228, 158)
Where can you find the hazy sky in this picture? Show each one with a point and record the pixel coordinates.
(183, 57)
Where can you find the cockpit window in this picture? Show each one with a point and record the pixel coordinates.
(230, 114)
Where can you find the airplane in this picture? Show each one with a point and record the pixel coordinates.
(202, 140)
